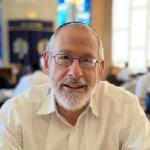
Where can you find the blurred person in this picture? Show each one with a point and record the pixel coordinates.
(23, 71)
(112, 77)
(75, 110)
(142, 88)
(130, 85)
(124, 75)
(37, 77)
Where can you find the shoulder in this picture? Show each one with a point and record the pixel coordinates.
(113, 92)
(115, 98)
(118, 105)
(40, 77)
(27, 102)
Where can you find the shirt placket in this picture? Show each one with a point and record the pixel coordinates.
(73, 139)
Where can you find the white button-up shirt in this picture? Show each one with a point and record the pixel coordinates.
(113, 120)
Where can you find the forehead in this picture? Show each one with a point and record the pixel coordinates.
(76, 39)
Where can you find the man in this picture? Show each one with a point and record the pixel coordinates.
(75, 111)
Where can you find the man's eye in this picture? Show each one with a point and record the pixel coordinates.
(86, 60)
(64, 57)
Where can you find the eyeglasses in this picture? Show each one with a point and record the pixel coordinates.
(67, 60)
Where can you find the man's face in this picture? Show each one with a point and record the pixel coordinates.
(73, 85)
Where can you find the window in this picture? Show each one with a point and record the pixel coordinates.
(74, 10)
(131, 34)
(1, 48)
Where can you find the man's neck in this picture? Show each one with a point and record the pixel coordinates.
(70, 116)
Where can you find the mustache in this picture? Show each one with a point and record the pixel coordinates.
(74, 81)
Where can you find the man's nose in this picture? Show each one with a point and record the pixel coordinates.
(75, 70)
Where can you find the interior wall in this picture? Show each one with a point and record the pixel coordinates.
(46, 10)
(26, 9)
(101, 21)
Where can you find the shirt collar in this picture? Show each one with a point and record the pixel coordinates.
(93, 106)
(49, 105)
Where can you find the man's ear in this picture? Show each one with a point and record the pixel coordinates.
(101, 69)
(46, 62)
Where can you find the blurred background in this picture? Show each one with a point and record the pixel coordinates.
(124, 27)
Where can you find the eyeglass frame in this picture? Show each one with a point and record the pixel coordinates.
(72, 59)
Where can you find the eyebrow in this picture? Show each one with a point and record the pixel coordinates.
(88, 55)
(68, 52)
(64, 51)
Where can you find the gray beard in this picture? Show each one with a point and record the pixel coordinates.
(72, 100)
